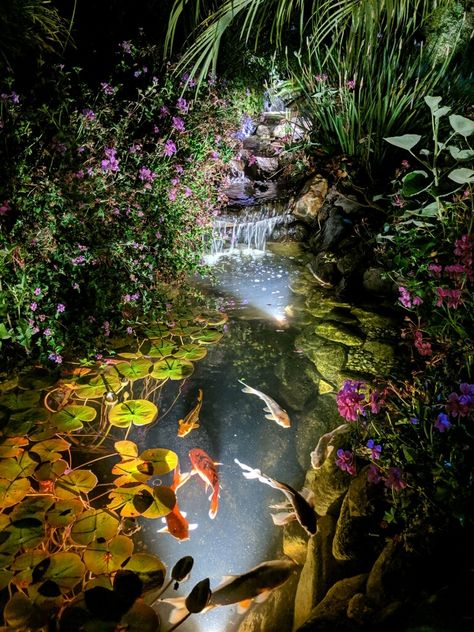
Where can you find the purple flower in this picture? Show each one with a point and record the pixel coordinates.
(5, 207)
(350, 400)
(414, 421)
(170, 148)
(106, 88)
(55, 357)
(147, 175)
(182, 105)
(164, 111)
(78, 260)
(37, 291)
(375, 402)
(375, 450)
(405, 297)
(321, 78)
(158, 234)
(442, 423)
(394, 480)
(373, 474)
(47, 332)
(172, 194)
(110, 163)
(126, 46)
(60, 307)
(345, 461)
(351, 84)
(88, 114)
(130, 330)
(461, 404)
(178, 124)
(33, 306)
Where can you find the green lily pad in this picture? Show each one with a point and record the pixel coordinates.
(94, 524)
(183, 332)
(20, 400)
(122, 498)
(13, 492)
(214, 319)
(163, 460)
(50, 450)
(24, 565)
(162, 501)
(139, 412)
(32, 507)
(132, 471)
(71, 417)
(135, 369)
(75, 483)
(25, 533)
(149, 568)
(107, 557)
(66, 570)
(96, 387)
(129, 356)
(207, 336)
(157, 330)
(20, 613)
(191, 351)
(172, 368)
(47, 473)
(12, 446)
(5, 578)
(140, 618)
(17, 468)
(33, 415)
(64, 512)
(158, 348)
(126, 449)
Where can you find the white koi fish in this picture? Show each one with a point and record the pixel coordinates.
(275, 412)
(324, 449)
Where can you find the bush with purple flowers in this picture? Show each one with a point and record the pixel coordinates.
(107, 195)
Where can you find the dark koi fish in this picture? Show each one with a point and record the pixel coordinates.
(206, 468)
(191, 421)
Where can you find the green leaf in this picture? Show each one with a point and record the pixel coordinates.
(149, 568)
(162, 460)
(71, 417)
(441, 112)
(12, 446)
(50, 450)
(126, 449)
(75, 483)
(5, 578)
(66, 570)
(94, 524)
(415, 182)
(96, 387)
(103, 558)
(140, 618)
(122, 498)
(139, 412)
(172, 368)
(407, 141)
(64, 512)
(157, 330)
(135, 369)
(199, 596)
(20, 400)
(192, 352)
(461, 125)
(20, 613)
(163, 500)
(461, 154)
(433, 103)
(159, 348)
(207, 336)
(13, 492)
(462, 175)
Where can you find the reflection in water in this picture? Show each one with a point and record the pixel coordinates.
(254, 292)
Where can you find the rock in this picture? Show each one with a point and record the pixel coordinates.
(295, 542)
(283, 130)
(263, 131)
(334, 228)
(319, 571)
(360, 610)
(336, 332)
(267, 165)
(296, 386)
(321, 418)
(356, 538)
(329, 359)
(311, 199)
(376, 282)
(334, 606)
(276, 613)
(375, 324)
(374, 357)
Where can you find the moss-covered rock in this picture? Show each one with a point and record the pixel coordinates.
(318, 420)
(298, 380)
(319, 572)
(374, 324)
(295, 542)
(337, 332)
(374, 357)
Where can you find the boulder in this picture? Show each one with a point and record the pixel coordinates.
(311, 199)
(375, 281)
(263, 131)
(319, 571)
(338, 332)
(298, 380)
(374, 357)
(267, 166)
(359, 609)
(295, 542)
(316, 421)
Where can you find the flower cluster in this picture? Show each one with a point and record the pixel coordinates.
(351, 400)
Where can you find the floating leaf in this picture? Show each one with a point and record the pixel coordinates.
(98, 386)
(5, 578)
(47, 473)
(25, 533)
(24, 566)
(51, 449)
(159, 348)
(126, 449)
(64, 512)
(149, 568)
(139, 412)
(407, 141)
(129, 356)
(132, 471)
(182, 332)
(71, 417)
(462, 175)
(212, 318)
(94, 524)
(199, 596)
(182, 568)
(122, 498)
(208, 336)
(107, 557)
(172, 368)
(32, 507)
(65, 569)
(143, 500)
(415, 182)
(135, 369)
(162, 459)
(157, 330)
(75, 483)
(12, 447)
(20, 400)
(163, 499)
(140, 618)
(191, 352)
(20, 613)
(461, 125)
(33, 415)
(13, 492)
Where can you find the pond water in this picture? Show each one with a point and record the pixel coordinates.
(254, 290)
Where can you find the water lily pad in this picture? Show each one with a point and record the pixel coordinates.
(94, 524)
(65, 569)
(126, 449)
(5, 578)
(183, 332)
(24, 566)
(207, 336)
(214, 319)
(158, 348)
(129, 355)
(135, 369)
(132, 471)
(50, 450)
(157, 330)
(20, 467)
(64, 512)
(192, 352)
(32, 507)
(33, 415)
(20, 613)
(139, 412)
(122, 498)
(107, 557)
(25, 533)
(142, 500)
(149, 568)
(12, 446)
(97, 386)
(13, 492)
(163, 460)
(76, 483)
(47, 473)
(72, 417)
(172, 368)
(140, 618)
(20, 400)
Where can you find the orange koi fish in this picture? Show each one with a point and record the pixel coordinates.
(176, 523)
(191, 421)
(206, 468)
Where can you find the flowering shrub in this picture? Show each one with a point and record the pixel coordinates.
(107, 198)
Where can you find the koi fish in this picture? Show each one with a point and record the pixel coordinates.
(205, 467)
(300, 503)
(275, 412)
(254, 585)
(191, 421)
(324, 449)
(176, 523)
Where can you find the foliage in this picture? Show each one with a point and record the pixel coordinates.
(64, 555)
(108, 197)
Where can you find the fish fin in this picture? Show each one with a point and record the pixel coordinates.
(263, 596)
(283, 518)
(214, 503)
(270, 417)
(163, 530)
(247, 389)
(193, 526)
(308, 495)
(267, 410)
(244, 605)
(285, 505)
(179, 609)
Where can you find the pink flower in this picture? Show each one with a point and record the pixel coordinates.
(345, 461)
(351, 401)
(351, 84)
(178, 124)
(170, 148)
(422, 346)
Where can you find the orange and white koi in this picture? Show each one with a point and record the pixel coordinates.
(205, 467)
(275, 411)
(176, 523)
(191, 421)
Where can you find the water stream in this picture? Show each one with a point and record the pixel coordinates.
(253, 289)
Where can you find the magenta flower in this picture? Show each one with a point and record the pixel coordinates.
(110, 163)
(164, 111)
(375, 450)
(405, 297)
(37, 291)
(351, 84)
(147, 175)
(374, 474)
(172, 194)
(106, 88)
(88, 114)
(60, 307)
(55, 357)
(375, 402)
(5, 207)
(350, 401)
(47, 332)
(435, 269)
(252, 160)
(452, 297)
(178, 124)
(422, 346)
(462, 404)
(345, 461)
(34, 306)
(394, 480)
(321, 78)
(170, 148)
(182, 105)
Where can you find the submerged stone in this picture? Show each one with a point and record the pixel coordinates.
(318, 420)
(337, 332)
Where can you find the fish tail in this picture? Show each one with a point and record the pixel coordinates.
(247, 389)
(199, 398)
(179, 609)
(214, 503)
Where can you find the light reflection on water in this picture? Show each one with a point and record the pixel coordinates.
(233, 425)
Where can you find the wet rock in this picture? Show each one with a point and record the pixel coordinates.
(356, 538)
(337, 332)
(311, 199)
(295, 542)
(276, 613)
(334, 228)
(375, 281)
(297, 384)
(317, 421)
(267, 166)
(283, 130)
(375, 324)
(374, 357)
(319, 572)
(360, 610)
(332, 609)
(329, 359)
